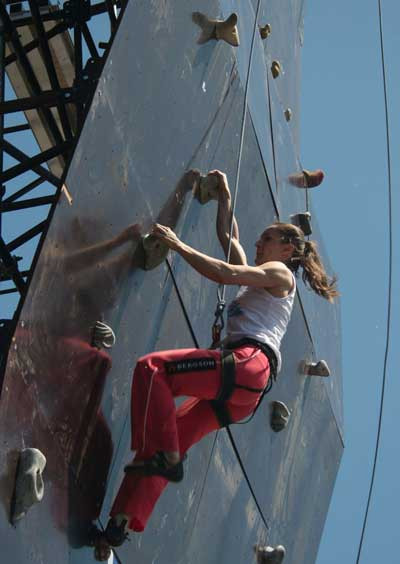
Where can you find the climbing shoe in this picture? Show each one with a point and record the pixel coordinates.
(116, 534)
(157, 465)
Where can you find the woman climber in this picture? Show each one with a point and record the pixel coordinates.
(222, 387)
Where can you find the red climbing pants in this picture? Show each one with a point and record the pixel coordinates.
(157, 424)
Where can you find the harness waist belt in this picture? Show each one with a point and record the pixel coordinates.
(266, 349)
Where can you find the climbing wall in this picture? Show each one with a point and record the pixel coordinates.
(164, 105)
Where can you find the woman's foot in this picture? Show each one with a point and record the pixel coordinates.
(102, 549)
(166, 464)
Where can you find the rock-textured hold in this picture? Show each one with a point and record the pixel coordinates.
(155, 251)
(302, 220)
(102, 335)
(217, 29)
(276, 69)
(269, 554)
(307, 178)
(288, 114)
(319, 368)
(280, 416)
(206, 189)
(264, 31)
(29, 486)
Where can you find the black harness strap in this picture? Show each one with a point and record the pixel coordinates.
(226, 390)
(228, 384)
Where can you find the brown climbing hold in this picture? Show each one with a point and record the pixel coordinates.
(288, 114)
(264, 31)
(307, 178)
(206, 189)
(217, 29)
(276, 69)
(319, 368)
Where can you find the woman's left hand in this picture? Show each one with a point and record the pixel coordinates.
(166, 235)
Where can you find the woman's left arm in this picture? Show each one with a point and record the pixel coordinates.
(269, 275)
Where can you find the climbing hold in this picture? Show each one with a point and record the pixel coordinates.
(313, 177)
(319, 368)
(269, 554)
(279, 416)
(264, 30)
(307, 178)
(302, 220)
(288, 114)
(102, 335)
(206, 189)
(217, 29)
(155, 251)
(276, 69)
(29, 487)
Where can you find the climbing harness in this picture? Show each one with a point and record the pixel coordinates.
(228, 383)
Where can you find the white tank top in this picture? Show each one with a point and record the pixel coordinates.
(258, 314)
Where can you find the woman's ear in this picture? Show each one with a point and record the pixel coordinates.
(287, 251)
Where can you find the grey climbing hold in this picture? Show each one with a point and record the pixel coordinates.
(206, 189)
(217, 29)
(264, 31)
(29, 487)
(102, 335)
(155, 251)
(280, 416)
(269, 554)
(302, 220)
(319, 368)
(276, 69)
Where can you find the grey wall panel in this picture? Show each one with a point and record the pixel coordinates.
(258, 104)
(326, 336)
(286, 21)
(291, 200)
(294, 468)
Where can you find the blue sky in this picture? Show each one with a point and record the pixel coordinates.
(343, 132)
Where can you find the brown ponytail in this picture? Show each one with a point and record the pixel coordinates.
(306, 255)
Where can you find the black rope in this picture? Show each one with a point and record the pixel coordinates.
(389, 304)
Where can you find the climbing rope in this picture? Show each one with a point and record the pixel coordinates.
(218, 324)
(389, 304)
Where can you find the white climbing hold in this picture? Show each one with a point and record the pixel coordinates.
(29, 486)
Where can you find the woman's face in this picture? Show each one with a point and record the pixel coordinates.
(271, 247)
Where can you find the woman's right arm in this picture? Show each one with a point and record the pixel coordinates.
(224, 214)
